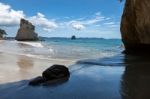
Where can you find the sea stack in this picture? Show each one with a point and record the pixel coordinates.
(135, 26)
(73, 37)
(26, 31)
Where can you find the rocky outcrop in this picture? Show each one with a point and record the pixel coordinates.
(2, 33)
(26, 31)
(135, 26)
(73, 37)
(52, 75)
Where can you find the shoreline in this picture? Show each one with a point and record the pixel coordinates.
(20, 67)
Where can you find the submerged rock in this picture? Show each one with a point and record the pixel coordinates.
(26, 31)
(52, 75)
(135, 26)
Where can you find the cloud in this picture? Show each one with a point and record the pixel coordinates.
(97, 21)
(43, 22)
(97, 18)
(77, 25)
(109, 23)
(82, 23)
(8, 16)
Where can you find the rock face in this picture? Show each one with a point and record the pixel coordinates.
(26, 31)
(52, 75)
(135, 26)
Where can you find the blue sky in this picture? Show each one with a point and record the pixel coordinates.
(64, 18)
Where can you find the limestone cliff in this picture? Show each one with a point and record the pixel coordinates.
(26, 31)
(135, 26)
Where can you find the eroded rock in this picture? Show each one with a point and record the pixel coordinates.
(26, 31)
(135, 26)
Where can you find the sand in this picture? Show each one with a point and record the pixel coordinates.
(20, 67)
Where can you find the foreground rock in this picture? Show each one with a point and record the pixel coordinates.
(135, 26)
(26, 31)
(52, 75)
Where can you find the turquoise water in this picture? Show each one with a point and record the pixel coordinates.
(64, 48)
(82, 48)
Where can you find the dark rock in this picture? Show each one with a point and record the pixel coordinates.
(55, 74)
(56, 81)
(135, 26)
(36, 81)
(73, 37)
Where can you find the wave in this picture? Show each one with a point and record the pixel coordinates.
(109, 61)
(34, 44)
(50, 50)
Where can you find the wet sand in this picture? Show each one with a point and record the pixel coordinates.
(20, 67)
(118, 77)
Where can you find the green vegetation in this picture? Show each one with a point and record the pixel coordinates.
(2, 33)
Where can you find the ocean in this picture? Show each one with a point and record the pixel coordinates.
(65, 48)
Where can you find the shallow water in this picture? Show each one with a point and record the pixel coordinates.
(119, 77)
(63, 48)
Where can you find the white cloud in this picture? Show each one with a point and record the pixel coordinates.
(97, 18)
(77, 25)
(82, 23)
(97, 21)
(8, 16)
(43, 22)
(109, 23)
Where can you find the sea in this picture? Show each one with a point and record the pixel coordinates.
(64, 48)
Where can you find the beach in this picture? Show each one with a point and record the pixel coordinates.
(86, 81)
(19, 67)
(116, 76)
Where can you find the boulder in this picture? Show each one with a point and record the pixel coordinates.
(26, 31)
(56, 72)
(135, 26)
(52, 75)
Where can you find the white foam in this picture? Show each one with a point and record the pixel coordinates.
(51, 50)
(34, 44)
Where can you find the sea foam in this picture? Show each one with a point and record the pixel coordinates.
(34, 44)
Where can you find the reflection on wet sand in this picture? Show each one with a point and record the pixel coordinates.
(119, 77)
(25, 63)
(136, 78)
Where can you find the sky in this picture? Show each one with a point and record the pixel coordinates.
(64, 18)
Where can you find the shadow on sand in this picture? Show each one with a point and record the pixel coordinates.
(119, 77)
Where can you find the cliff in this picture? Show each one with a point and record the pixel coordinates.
(135, 26)
(26, 31)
